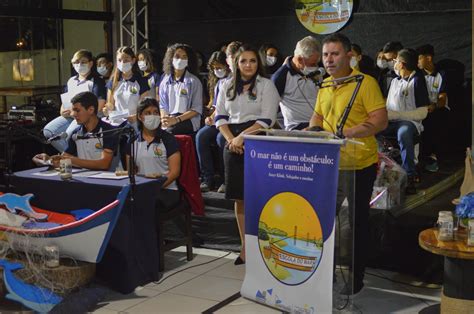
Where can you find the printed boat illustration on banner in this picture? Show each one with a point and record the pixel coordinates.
(36, 298)
(290, 238)
(83, 239)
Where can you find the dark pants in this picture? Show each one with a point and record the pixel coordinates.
(433, 133)
(358, 194)
(184, 128)
(205, 139)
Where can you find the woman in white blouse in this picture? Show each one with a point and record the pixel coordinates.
(247, 102)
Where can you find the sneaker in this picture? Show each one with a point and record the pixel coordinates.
(221, 189)
(432, 164)
(205, 187)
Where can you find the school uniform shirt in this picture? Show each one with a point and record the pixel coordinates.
(407, 94)
(92, 148)
(298, 95)
(127, 93)
(260, 105)
(152, 158)
(180, 96)
(153, 80)
(436, 84)
(94, 83)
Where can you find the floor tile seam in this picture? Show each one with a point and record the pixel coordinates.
(194, 297)
(145, 299)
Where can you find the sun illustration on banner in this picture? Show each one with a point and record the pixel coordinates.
(290, 238)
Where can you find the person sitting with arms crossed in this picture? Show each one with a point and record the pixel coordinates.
(91, 153)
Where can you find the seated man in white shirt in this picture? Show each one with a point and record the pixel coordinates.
(407, 106)
(295, 82)
(94, 153)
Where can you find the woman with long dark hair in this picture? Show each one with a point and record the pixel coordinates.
(157, 153)
(207, 135)
(247, 102)
(146, 64)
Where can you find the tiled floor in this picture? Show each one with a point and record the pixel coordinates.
(193, 290)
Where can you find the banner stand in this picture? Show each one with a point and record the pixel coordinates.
(291, 184)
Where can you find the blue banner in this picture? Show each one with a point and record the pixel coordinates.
(290, 200)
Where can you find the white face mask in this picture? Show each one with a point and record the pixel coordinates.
(180, 64)
(382, 63)
(220, 73)
(142, 65)
(124, 67)
(152, 122)
(81, 69)
(271, 60)
(308, 70)
(102, 70)
(354, 62)
(390, 64)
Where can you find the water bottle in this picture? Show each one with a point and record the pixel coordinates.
(445, 226)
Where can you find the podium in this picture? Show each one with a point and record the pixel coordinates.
(290, 195)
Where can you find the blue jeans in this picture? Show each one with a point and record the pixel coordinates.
(405, 132)
(205, 138)
(57, 126)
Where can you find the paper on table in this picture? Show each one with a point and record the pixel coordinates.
(47, 173)
(108, 175)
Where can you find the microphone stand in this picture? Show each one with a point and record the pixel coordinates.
(344, 80)
(131, 162)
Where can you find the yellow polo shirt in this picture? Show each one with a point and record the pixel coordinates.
(330, 104)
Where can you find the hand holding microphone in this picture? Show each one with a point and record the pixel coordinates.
(57, 137)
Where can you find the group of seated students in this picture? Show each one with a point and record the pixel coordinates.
(414, 89)
(242, 99)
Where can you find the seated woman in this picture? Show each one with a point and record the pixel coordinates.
(157, 153)
(180, 91)
(271, 58)
(125, 89)
(246, 103)
(146, 64)
(206, 136)
(85, 80)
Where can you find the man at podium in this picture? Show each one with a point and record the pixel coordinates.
(367, 117)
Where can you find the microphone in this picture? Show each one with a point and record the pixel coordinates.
(85, 136)
(60, 136)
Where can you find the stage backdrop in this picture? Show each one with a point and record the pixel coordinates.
(290, 199)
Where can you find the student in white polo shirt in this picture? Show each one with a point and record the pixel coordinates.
(157, 153)
(180, 91)
(125, 89)
(86, 79)
(295, 82)
(438, 109)
(247, 102)
(91, 153)
(407, 106)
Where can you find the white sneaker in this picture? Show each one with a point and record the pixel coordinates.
(221, 189)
